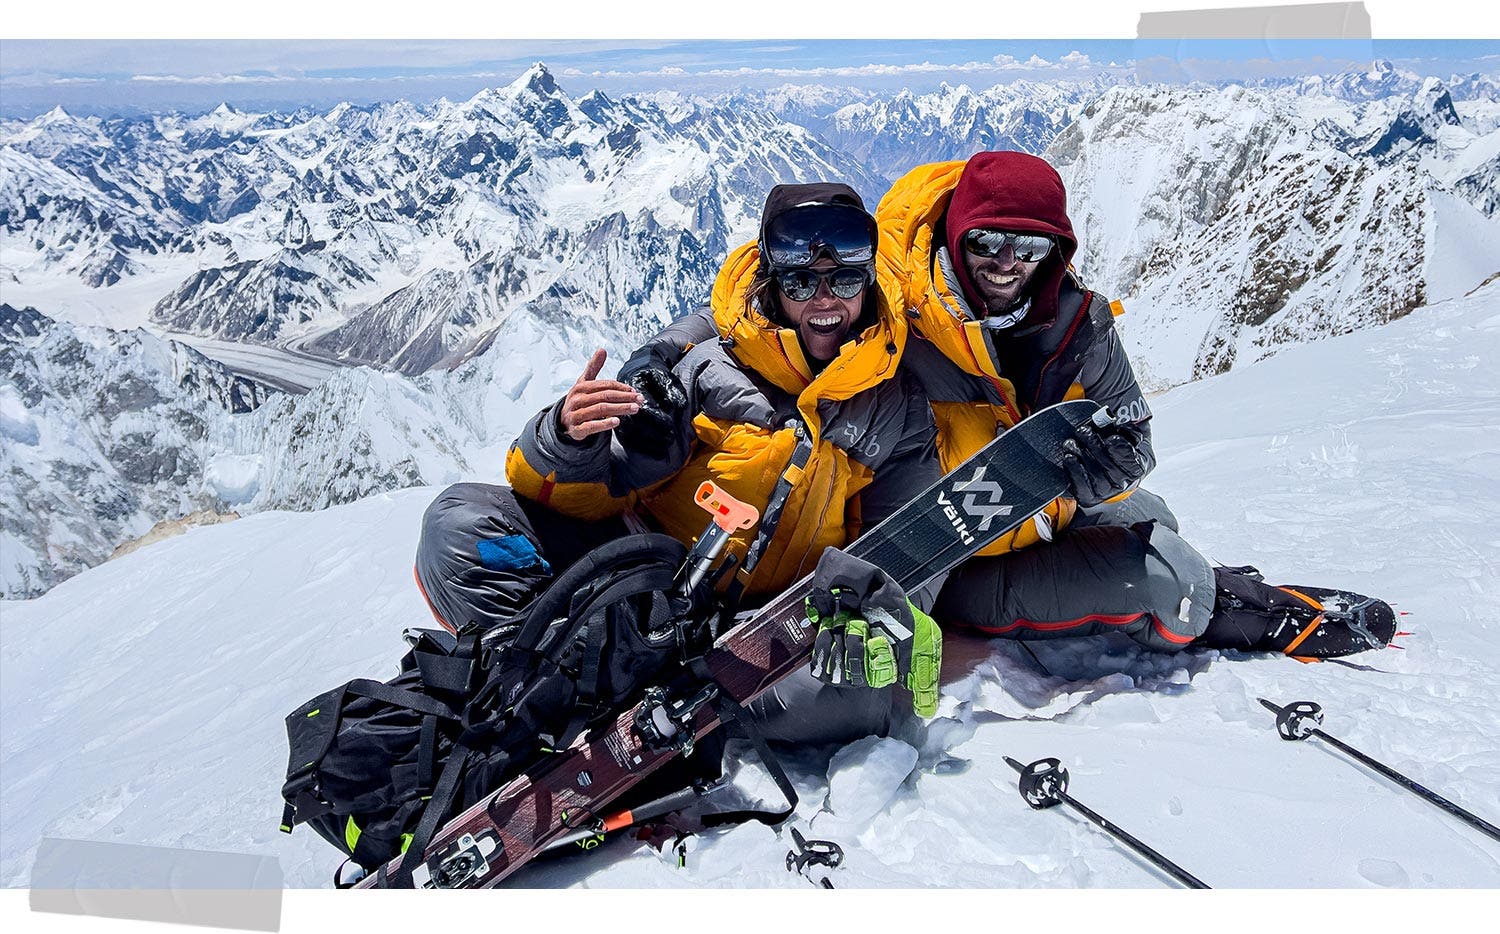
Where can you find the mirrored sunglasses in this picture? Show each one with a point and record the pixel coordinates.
(800, 285)
(1028, 248)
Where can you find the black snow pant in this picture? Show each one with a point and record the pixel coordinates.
(485, 553)
(1118, 567)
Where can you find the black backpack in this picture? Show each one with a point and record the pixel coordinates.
(376, 768)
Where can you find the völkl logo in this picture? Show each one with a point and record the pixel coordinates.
(985, 512)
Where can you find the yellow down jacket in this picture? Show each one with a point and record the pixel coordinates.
(867, 436)
(1078, 356)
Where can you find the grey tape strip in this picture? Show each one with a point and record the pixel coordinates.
(1297, 21)
(150, 883)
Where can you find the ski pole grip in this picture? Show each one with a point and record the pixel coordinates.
(729, 514)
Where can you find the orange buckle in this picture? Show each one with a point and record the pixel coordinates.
(1309, 629)
(729, 514)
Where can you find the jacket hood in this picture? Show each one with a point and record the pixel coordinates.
(910, 215)
(775, 352)
(1017, 192)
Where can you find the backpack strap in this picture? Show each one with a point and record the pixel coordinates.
(734, 716)
(432, 817)
(771, 517)
(596, 610)
(554, 602)
(316, 724)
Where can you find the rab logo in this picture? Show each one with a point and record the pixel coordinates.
(985, 512)
(865, 444)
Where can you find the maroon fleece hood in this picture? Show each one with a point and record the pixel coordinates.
(1021, 193)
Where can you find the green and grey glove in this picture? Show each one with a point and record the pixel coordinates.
(869, 633)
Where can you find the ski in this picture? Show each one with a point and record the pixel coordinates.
(1044, 784)
(1292, 723)
(993, 492)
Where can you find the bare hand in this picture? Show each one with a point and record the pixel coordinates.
(595, 405)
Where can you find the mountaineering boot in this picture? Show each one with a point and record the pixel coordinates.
(1303, 622)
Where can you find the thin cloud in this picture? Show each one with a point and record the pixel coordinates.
(325, 80)
(1071, 62)
(238, 56)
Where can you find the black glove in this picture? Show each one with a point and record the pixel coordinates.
(1103, 462)
(869, 633)
(652, 430)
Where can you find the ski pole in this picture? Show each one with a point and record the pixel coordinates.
(1044, 784)
(807, 852)
(1291, 724)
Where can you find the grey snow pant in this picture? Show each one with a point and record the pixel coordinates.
(485, 553)
(1117, 567)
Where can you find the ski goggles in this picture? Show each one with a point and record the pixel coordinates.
(801, 285)
(1027, 248)
(796, 238)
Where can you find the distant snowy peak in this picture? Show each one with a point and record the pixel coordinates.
(894, 134)
(1475, 87)
(511, 194)
(1237, 221)
(1381, 79)
(797, 103)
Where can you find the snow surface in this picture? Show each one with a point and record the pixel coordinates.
(144, 698)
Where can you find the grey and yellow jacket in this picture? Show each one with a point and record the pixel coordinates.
(865, 433)
(980, 385)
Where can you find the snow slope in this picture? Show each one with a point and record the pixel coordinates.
(143, 698)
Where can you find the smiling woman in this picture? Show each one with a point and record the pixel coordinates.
(797, 408)
(817, 264)
(825, 316)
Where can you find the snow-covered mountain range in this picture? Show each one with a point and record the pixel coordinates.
(155, 686)
(506, 235)
(398, 235)
(892, 133)
(1236, 221)
(108, 432)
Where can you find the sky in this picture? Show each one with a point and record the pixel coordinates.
(114, 76)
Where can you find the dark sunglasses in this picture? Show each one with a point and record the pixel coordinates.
(1027, 248)
(797, 237)
(801, 285)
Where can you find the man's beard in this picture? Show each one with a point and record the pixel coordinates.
(1007, 319)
